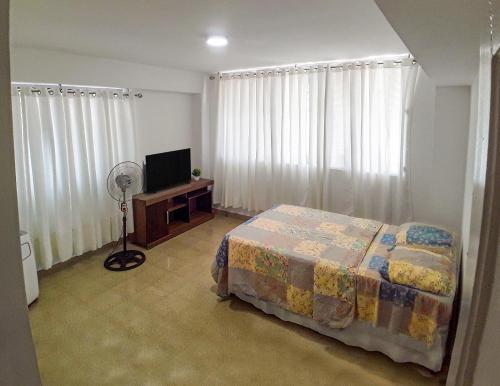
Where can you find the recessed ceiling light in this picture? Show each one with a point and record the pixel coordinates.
(217, 41)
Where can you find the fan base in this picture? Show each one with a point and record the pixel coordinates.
(124, 260)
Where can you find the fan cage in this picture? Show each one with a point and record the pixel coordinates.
(131, 169)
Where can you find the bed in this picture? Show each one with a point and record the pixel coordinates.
(342, 277)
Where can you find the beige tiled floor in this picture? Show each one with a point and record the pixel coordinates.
(162, 324)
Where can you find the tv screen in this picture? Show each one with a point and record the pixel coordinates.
(168, 169)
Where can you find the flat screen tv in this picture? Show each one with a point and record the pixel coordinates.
(168, 169)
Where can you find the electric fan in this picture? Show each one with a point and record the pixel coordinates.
(124, 180)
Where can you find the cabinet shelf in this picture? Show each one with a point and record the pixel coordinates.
(198, 194)
(175, 206)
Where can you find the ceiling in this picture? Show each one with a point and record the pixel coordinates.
(443, 35)
(172, 33)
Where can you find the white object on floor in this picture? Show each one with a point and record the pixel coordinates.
(29, 268)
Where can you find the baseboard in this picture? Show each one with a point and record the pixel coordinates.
(234, 213)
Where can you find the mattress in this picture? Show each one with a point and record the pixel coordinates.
(322, 270)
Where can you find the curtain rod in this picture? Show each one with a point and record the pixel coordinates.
(396, 58)
(60, 85)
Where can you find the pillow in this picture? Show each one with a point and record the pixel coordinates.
(422, 269)
(428, 237)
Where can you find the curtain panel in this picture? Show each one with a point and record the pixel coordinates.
(328, 138)
(66, 142)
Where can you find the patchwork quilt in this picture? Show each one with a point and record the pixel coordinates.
(400, 309)
(303, 260)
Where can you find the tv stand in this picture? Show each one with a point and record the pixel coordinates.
(167, 213)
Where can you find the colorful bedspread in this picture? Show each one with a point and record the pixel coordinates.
(400, 309)
(303, 260)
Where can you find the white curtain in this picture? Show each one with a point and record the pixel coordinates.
(65, 145)
(329, 138)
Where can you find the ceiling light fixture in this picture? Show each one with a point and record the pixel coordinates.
(217, 41)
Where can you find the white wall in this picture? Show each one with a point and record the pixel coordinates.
(438, 149)
(17, 354)
(168, 117)
(168, 121)
(469, 172)
(35, 65)
(450, 153)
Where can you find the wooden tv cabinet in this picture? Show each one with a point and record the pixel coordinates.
(167, 213)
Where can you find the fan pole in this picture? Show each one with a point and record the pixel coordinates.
(124, 224)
